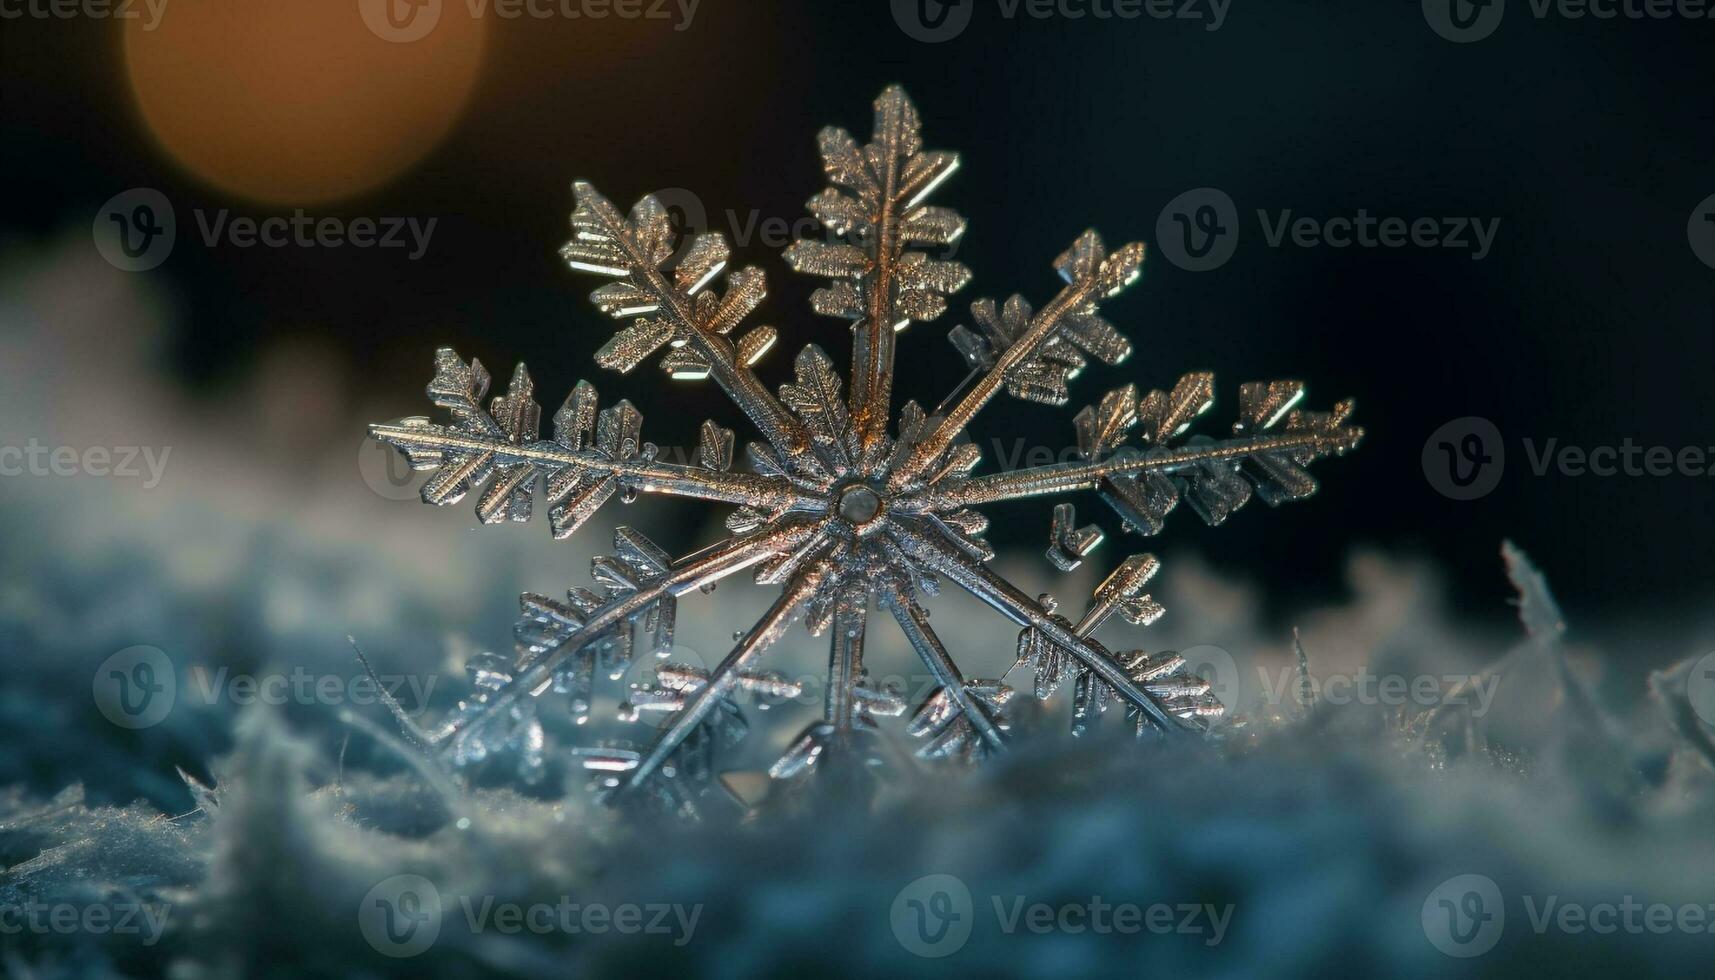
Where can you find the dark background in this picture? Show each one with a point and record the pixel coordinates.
(1591, 320)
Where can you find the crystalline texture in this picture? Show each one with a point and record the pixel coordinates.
(839, 513)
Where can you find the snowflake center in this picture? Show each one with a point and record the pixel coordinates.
(859, 504)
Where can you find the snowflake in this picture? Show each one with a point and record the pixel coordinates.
(839, 513)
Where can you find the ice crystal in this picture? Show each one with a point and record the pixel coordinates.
(843, 515)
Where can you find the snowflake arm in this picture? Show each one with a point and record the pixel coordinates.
(552, 632)
(1031, 354)
(1009, 601)
(852, 706)
(953, 694)
(725, 677)
(679, 311)
(593, 455)
(645, 475)
(1272, 445)
(875, 212)
(845, 660)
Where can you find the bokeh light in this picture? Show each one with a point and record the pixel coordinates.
(298, 103)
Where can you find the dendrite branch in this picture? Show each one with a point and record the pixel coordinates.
(845, 661)
(721, 681)
(1091, 275)
(1006, 599)
(693, 572)
(874, 213)
(735, 378)
(986, 387)
(873, 339)
(649, 476)
(914, 622)
(1040, 481)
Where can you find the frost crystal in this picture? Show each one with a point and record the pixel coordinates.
(841, 514)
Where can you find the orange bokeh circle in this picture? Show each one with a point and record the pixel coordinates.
(300, 102)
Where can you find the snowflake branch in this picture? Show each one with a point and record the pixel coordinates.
(882, 285)
(689, 573)
(914, 622)
(845, 660)
(1038, 481)
(646, 475)
(722, 680)
(1019, 351)
(851, 706)
(595, 453)
(634, 252)
(1268, 458)
(1006, 599)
